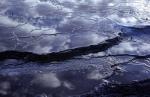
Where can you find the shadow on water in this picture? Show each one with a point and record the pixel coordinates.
(134, 31)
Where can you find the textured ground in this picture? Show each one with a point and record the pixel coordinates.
(46, 26)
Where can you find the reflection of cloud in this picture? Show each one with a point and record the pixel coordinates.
(125, 47)
(4, 20)
(47, 80)
(83, 22)
(95, 75)
(68, 85)
(4, 87)
(131, 47)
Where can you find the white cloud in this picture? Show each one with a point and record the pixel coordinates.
(125, 47)
(4, 20)
(95, 75)
(47, 80)
(68, 85)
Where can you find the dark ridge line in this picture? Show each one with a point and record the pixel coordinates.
(62, 55)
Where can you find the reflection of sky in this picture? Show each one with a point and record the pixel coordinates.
(79, 23)
(67, 78)
(43, 26)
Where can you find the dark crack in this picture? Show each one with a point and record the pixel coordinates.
(62, 55)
